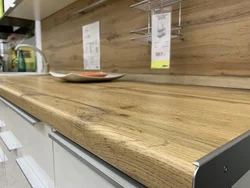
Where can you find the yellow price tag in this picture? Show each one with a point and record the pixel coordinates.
(161, 41)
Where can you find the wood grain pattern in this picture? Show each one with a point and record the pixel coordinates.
(153, 133)
(216, 36)
(212, 81)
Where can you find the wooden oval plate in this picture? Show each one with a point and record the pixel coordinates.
(76, 77)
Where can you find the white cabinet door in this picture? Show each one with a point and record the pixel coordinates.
(71, 172)
(76, 167)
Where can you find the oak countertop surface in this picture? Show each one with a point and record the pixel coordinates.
(151, 132)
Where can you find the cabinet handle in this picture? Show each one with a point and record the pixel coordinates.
(29, 173)
(11, 142)
(111, 174)
(31, 119)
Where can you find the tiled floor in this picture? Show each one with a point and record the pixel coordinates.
(11, 175)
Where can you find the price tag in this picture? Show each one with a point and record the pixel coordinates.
(91, 46)
(161, 40)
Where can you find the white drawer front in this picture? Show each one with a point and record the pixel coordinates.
(71, 172)
(76, 167)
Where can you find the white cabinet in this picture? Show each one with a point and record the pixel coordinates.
(78, 168)
(71, 172)
(10, 173)
(28, 140)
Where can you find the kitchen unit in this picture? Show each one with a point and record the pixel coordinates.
(148, 141)
(178, 119)
(47, 159)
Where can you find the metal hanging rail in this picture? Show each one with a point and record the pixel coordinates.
(152, 5)
(148, 5)
(90, 7)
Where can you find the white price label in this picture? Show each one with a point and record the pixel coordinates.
(91, 46)
(161, 40)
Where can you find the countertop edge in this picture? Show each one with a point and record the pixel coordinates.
(182, 173)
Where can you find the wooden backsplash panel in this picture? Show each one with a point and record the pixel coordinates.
(216, 33)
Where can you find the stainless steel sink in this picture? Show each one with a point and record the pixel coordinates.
(22, 74)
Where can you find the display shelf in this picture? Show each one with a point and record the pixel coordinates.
(148, 5)
(159, 6)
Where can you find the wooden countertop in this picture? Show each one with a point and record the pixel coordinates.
(151, 132)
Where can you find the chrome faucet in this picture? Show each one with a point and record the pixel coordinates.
(45, 62)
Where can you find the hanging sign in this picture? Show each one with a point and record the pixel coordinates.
(91, 46)
(161, 40)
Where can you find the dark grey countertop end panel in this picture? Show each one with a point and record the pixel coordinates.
(225, 166)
